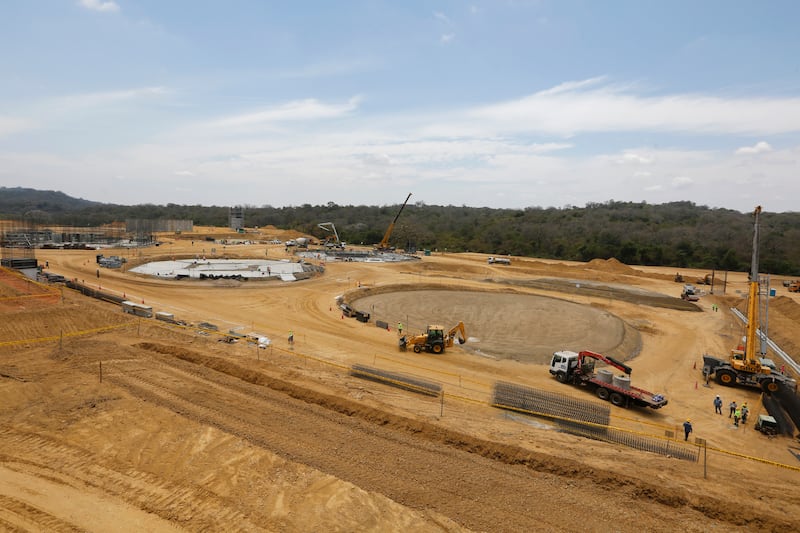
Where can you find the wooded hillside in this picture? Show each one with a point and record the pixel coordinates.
(679, 234)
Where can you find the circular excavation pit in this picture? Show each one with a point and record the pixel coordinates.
(521, 327)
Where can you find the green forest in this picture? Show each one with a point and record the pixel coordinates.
(679, 234)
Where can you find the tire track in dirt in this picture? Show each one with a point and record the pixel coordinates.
(414, 472)
(48, 458)
(413, 463)
(18, 515)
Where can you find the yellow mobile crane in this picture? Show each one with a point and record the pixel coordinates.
(744, 366)
(383, 246)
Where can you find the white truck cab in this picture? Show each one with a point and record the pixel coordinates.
(563, 361)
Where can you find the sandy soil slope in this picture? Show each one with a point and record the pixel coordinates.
(123, 424)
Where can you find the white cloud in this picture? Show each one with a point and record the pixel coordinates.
(298, 110)
(541, 148)
(588, 106)
(631, 157)
(95, 99)
(9, 125)
(98, 5)
(316, 150)
(682, 182)
(447, 38)
(441, 16)
(363, 168)
(759, 148)
(570, 86)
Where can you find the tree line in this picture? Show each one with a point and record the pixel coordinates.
(679, 234)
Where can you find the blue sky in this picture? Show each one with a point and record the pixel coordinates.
(487, 103)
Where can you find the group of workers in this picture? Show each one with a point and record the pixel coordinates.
(737, 413)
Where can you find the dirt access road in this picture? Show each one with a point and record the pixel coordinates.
(138, 425)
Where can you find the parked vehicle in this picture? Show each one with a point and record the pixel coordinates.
(743, 367)
(766, 425)
(690, 294)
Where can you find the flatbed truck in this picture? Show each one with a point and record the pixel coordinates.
(578, 368)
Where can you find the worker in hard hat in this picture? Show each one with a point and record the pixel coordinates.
(718, 405)
(687, 428)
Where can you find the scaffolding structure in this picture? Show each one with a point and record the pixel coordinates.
(236, 218)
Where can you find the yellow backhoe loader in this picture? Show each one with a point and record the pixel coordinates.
(435, 339)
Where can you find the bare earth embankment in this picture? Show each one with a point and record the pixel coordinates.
(123, 424)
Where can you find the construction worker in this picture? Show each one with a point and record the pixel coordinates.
(400, 328)
(732, 406)
(291, 338)
(687, 428)
(736, 416)
(745, 412)
(718, 405)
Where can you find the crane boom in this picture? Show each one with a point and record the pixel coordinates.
(752, 299)
(619, 365)
(384, 244)
(329, 226)
(744, 367)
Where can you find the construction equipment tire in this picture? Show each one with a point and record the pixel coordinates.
(769, 385)
(437, 348)
(603, 393)
(417, 348)
(726, 377)
(618, 399)
(561, 377)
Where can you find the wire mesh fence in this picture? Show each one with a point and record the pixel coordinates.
(666, 447)
(583, 418)
(527, 399)
(396, 379)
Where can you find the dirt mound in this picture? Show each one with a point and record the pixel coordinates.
(606, 291)
(203, 233)
(14, 285)
(787, 307)
(451, 268)
(73, 316)
(612, 266)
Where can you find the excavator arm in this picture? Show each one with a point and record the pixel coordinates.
(451, 335)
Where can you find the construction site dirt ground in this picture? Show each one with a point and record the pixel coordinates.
(117, 423)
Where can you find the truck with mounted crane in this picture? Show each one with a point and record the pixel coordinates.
(435, 339)
(579, 369)
(744, 367)
(331, 241)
